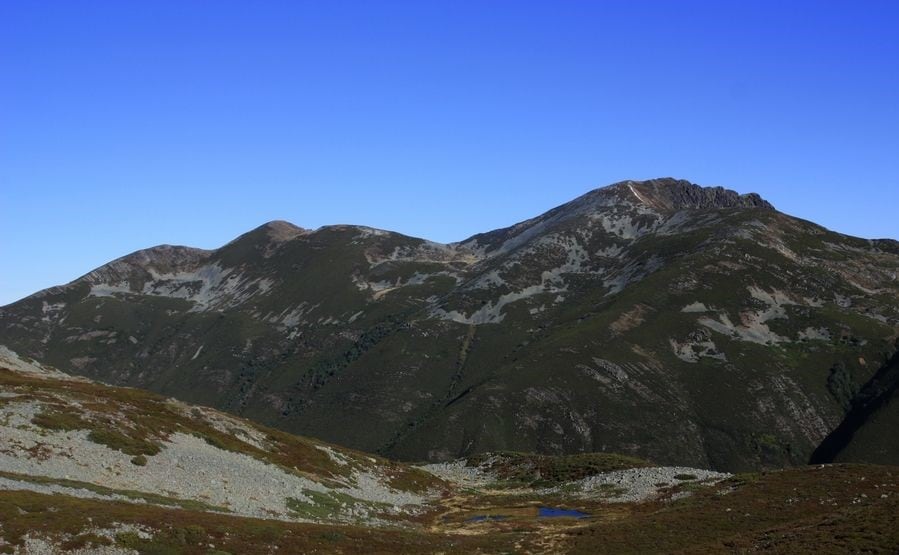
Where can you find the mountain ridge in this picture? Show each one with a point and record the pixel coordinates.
(685, 195)
(610, 322)
(668, 193)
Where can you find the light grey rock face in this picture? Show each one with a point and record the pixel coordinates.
(34, 545)
(633, 485)
(459, 473)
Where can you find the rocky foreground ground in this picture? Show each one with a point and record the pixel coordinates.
(87, 468)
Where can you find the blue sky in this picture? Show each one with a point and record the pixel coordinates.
(129, 124)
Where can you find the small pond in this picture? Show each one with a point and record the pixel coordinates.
(553, 512)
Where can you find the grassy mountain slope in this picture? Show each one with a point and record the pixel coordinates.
(658, 319)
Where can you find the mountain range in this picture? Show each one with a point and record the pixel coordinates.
(682, 324)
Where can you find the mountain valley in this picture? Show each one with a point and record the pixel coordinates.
(89, 468)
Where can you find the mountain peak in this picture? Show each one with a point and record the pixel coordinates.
(674, 194)
(281, 230)
(662, 196)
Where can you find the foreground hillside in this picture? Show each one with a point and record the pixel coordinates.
(87, 468)
(688, 325)
(80, 438)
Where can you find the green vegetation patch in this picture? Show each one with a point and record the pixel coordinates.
(103, 430)
(173, 530)
(327, 506)
(53, 419)
(121, 442)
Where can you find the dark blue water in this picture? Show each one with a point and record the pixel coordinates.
(552, 512)
(542, 512)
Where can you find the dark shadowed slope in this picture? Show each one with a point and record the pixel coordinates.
(870, 431)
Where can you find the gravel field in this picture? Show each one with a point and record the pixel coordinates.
(186, 468)
(457, 473)
(640, 484)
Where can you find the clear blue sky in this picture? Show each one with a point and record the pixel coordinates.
(129, 124)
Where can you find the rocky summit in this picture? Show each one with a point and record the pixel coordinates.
(659, 319)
